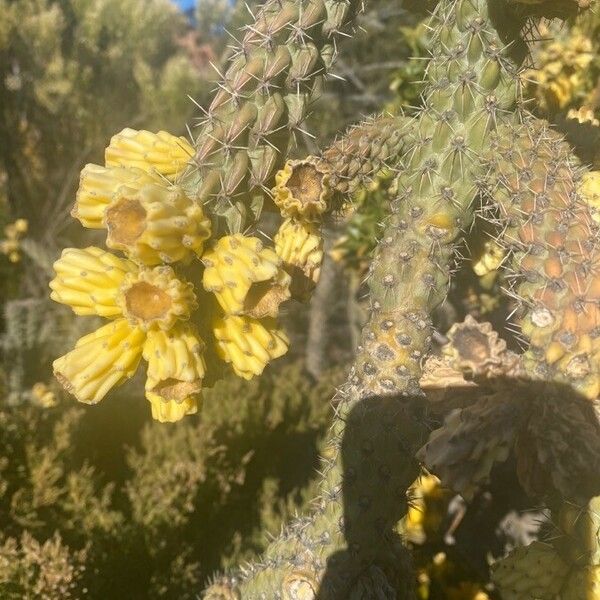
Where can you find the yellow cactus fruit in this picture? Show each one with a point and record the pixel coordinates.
(583, 584)
(245, 277)
(155, 298)
(175, 372)
(100, 360)
(160, 152)
(426, 510)
(302, 189)
(534, 571)
(300, 245)
(490, 260)
(88, 280)
(249, 344)
(97, 185)
(155, 224)
(170, 411)
(589, 190)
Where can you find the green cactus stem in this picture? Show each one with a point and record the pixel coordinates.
(261, 103)
(346, 548)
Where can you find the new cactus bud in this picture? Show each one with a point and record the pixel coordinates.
(245, 277)
(160, 153)
(100, 361)
(155, 224)
(302, 189)
(155, 298)
(249, 344)
(300, 245)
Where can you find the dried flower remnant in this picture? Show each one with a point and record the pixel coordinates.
(302, 189)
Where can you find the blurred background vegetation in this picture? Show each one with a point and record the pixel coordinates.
(100, 502)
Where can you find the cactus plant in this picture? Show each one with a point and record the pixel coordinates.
(470, 141)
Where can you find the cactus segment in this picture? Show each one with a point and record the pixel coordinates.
(471, 84)
(354, 159)
(534, 571)
(263, 99)
(551, 234)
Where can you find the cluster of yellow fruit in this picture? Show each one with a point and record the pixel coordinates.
(560, 71)
(139, 197)
(11, 244)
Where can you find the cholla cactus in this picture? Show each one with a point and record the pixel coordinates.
(470, 139)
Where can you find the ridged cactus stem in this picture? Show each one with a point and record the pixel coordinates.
(262, 100)
(555, 265)
(347, 547)
(356, 157)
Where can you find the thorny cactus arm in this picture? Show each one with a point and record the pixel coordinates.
(370, 463)
(262, 101)
(555, 266)
(365, 149)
